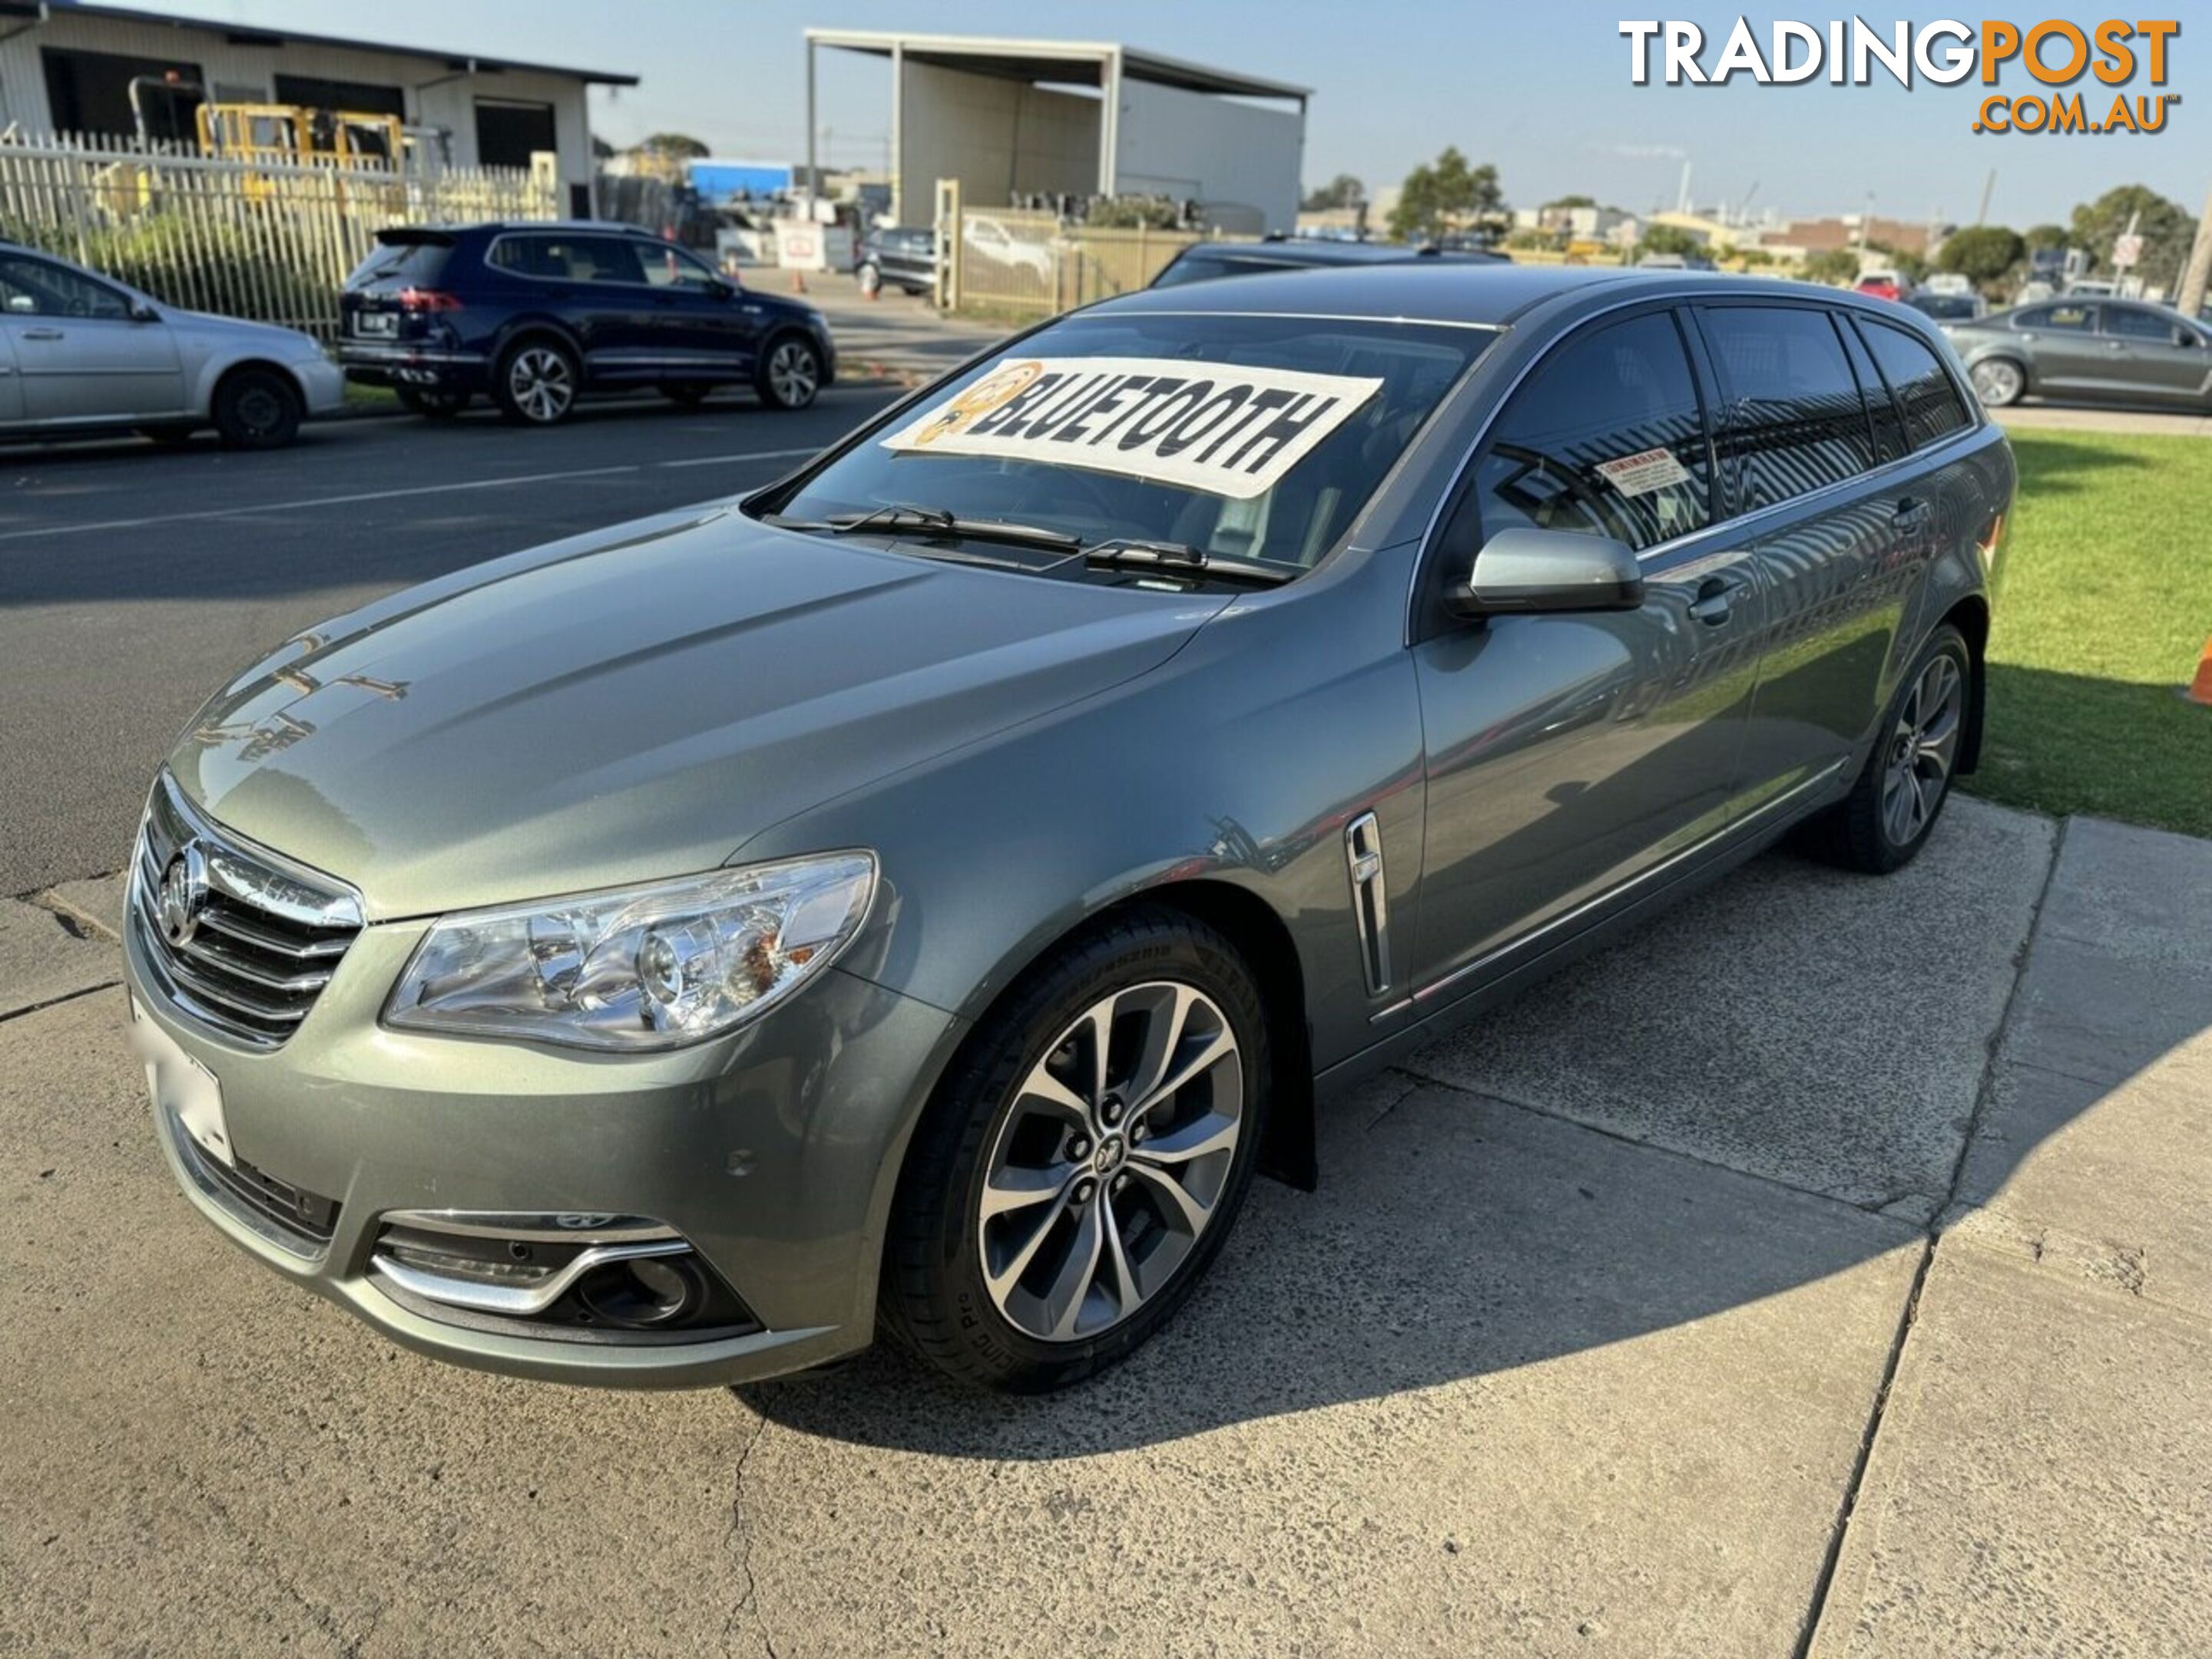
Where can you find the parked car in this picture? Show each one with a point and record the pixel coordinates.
(930, 888)
(902, 256)
(2092, 288)
(539, 315)
(989, 239)
(1204, 261)
(82, 354)
(1881, 285)
(2088, 348)
(1945, 308)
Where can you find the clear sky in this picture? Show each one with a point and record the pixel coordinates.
(1541, 90)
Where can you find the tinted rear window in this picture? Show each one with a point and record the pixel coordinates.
(1795, 421)
(416, 262)
(1932, 408)
(2130, 324)
(569, 257)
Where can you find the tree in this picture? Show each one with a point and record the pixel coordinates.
(1754, 258)
(2166, 228)
(1443, 195)
(1834, 266)
(2040, 238)
(1342, 191)
(1668, 239)
(1569, 202)
(1904, 263)
(601, 149)
(1981, 254)
(682, 145)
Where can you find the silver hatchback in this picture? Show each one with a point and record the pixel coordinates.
(82, 354)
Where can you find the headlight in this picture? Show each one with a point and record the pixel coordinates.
(637, 967)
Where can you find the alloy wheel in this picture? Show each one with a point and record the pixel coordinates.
(541, 383)
(1997, 383)
(792, 375)
(1112, 1161)
(1922, 749)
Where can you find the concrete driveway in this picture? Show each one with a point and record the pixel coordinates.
(1825, 1267)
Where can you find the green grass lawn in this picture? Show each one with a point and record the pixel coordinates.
(2105, 602)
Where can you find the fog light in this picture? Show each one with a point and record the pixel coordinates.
(639, 1294)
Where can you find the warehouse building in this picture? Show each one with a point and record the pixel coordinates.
(1011, 118)
(69, 67)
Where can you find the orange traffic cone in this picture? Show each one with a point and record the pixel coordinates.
(2200, 689)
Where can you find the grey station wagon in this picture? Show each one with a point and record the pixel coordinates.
(925, 892)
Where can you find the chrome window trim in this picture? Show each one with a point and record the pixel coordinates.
(1979, 428)
(1087, 316)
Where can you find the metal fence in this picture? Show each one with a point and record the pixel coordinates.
(269, 241)
(1018, 262)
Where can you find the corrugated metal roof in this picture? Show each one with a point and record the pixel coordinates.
(243, 34)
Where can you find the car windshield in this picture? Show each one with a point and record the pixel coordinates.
(1238, 437)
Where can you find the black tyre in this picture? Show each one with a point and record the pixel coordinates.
(538, 382)
(1999, 382)
(432, 403)
(790, 373)
(1884, 822)
(690, 393)
(1084, 1158)
(257, 408)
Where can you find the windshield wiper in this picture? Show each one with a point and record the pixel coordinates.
(1181, 559)
(900, 521)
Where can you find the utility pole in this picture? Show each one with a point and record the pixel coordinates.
(1989, 189)
(2194, 278)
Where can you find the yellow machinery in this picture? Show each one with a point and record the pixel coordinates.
(291, 135)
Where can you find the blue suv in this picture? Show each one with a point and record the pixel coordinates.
(537, 315)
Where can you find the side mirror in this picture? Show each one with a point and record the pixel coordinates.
(722, 289)
(1523, 570)
(143, 313)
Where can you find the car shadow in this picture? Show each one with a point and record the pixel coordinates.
(1458, 1235)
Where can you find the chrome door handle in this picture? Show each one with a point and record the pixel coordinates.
(42, 334)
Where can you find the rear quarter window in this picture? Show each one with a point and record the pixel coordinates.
(1932, 408)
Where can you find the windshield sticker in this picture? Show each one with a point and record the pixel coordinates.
(1642, 473)
(1220, 428)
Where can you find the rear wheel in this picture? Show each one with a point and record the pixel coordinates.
(1884, 822)
(1999, 382)
(790, 374)
(1084, 1160)
(538, 382)
(257, 408)
(433, 403)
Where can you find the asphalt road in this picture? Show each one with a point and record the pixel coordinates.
(134, 581)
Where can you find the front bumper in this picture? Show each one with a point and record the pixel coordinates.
(773, 1151)
(322, 384)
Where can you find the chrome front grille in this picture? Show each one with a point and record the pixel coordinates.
(241, 940)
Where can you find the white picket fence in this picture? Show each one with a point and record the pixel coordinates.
(269, 241)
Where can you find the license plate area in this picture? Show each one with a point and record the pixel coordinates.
(183, 1088)
(378, 324)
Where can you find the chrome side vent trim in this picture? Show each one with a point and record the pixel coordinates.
(1370, 902)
